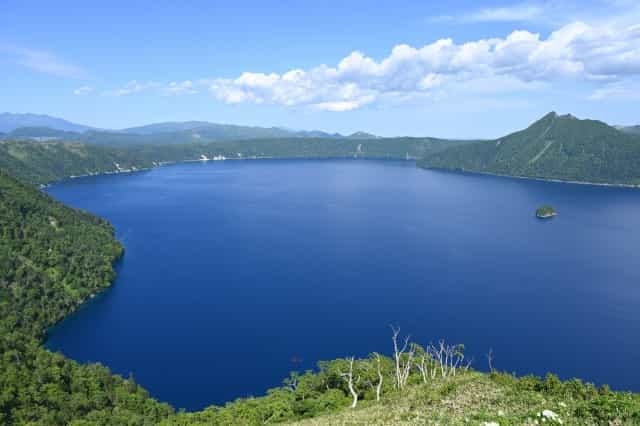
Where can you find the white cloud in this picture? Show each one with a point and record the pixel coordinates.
(616, 91)
(521, 61)
(514, 13)
(186, 87)
(549, 13)
(176, 88)
(132, 87)
(42, 61)
(83, 90)
(604, 56)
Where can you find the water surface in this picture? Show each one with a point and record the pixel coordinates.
(236, 271)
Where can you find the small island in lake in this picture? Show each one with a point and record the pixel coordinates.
(545, 212)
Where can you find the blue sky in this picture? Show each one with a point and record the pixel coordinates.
(451, 69)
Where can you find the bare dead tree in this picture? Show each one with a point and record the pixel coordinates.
(373, 376)
(403, 357)
(380, 377)
(408, 363)
(467, 366)
(348, 377)
(438, 354)
(448, 357)
(490, 359)
(423, 366)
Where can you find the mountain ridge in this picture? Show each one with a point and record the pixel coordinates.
(560, 147)
(40, 125)
(11, 121)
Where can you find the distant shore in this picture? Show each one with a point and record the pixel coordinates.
(577, 182)
(155, 165)
(199, 160)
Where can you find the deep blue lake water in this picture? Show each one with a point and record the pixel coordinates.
(236, 270)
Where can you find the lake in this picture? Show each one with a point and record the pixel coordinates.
(237, 272)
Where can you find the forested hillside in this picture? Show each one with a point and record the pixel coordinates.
(52, 259)
(44, 162)
(47, 161)
(554, 147)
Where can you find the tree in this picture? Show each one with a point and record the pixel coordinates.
(403, 357)
(348, 377)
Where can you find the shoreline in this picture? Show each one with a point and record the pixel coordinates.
(156, 164)
(552, 180)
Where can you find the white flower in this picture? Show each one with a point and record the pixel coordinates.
(550, 415)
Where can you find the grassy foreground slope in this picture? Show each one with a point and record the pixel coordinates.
(554, 147)
(480, 399)
(466, 398)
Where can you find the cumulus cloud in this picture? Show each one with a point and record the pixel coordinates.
(83, 90)
(606, 56)
(522, 59)
(42, 61)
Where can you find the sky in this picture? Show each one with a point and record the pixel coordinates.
(459, 69)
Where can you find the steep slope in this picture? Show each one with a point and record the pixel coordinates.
(554, 147)
(10, 122)
(52, 259)
(44, 162)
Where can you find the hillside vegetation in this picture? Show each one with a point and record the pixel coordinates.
(52, 259)
(47, 161)
(44, 162)
(554, 147)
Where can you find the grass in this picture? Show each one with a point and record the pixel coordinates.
(478, 398)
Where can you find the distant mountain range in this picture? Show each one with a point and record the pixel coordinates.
(10, 122)
(554, 147)
(44, 127)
